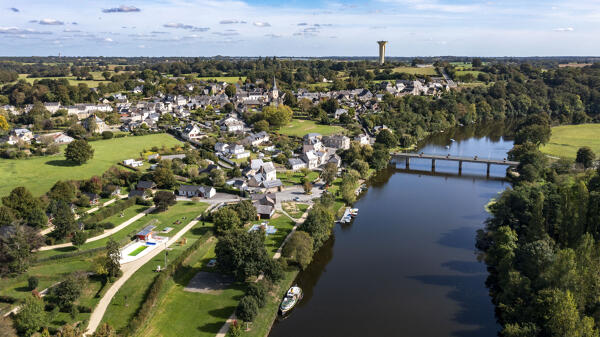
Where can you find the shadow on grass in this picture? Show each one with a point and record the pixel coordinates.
(211, 327)
(62, 163)
(223, 313)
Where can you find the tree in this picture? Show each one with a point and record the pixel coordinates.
(64, 221)
(585, 157)
(6, 216)
(63, 191)
(307, 186)
(79, 238)
(476, 62)
(242, 254)
(79, 151)
(230, 90)
(104, 330)
(113, 256)
(16, 249)
(31, 317)
(164, 199)
(387, 138)
(329, 172)
(361, 166)
(278, 116)
(299, 249)
(32, 282)
(24, 206)
(69, 290)
(217, 177)
(107, 135)
(245, 210)
(247, 309)
(164, 177)
(535, 134)
(380, 159)
(261, 125)
(350, 182)
(318, 224)
(259, 291)
(226, 219)
(4, 124)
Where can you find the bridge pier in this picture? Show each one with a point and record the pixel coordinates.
(407, 163)
(433, 165)
(460, 167)
(488, 169)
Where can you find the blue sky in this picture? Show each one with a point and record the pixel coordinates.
(299, 28)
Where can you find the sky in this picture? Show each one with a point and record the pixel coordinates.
(301, 28)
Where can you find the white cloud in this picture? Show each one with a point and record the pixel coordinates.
(177, 25)
(107, 39)
(19, 31)
(122, 9)
(261, 24)
(564, 29)
(231, 22)
(51, 22)
(274, 36)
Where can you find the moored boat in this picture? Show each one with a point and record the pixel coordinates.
(292, 297)
(353, 212)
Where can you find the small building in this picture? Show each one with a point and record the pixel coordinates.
(337, 142)
(143, 185)
(133, 162)
(242, 155)
(264, 211)
(192, 132)
(136, 194)
(362, 139)
(146, 233)
(94, 198)
(296, 164)
(221, 147)
(191, 191)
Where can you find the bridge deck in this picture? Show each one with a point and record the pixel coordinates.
(457, 158)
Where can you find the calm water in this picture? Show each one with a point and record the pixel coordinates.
(406, 266)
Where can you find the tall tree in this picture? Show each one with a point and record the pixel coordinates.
(31, 317)
(79, 151)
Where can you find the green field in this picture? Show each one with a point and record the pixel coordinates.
(300, 127)
(567, 139)
(72, 80)
(475, 73)
(289, 178)
(431, 71)
(228, 79)
(38, 174)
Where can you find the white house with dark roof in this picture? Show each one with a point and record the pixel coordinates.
(296, 164)
(192, 132)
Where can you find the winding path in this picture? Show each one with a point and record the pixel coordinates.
(128, 270)
(105, 234)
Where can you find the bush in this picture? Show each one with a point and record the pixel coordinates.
(258, 290)
(247, 309)
(107, 135)
(107, 225)
(32, 282)
(143, 202)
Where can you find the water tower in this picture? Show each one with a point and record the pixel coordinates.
(381, 51)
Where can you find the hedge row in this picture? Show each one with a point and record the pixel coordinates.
(86, 252)
(108, 211)
(157, 287)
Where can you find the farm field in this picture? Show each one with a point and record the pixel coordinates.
(228, 79)
(38, 174)
(431, 71)
(567, 139)
(72, 80)
(300, 127)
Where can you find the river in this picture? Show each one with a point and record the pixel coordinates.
(407, 266)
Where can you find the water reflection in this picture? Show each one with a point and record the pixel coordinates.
(406, 266)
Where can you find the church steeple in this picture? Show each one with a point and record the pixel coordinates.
(274, 90)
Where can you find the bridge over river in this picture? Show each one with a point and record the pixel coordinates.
(488, 162)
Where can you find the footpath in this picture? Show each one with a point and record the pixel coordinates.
(128, 270)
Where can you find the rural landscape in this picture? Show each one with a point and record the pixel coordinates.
(150, 194)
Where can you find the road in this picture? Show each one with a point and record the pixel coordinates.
(128, 270)
(105, 234)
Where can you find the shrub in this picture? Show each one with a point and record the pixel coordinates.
(247, 309)
(107, 225)
(107, 135)
(32, 282)
(258, 290)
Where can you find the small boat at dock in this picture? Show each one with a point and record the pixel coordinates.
(292, 297)
(452, 140)
(353, 212)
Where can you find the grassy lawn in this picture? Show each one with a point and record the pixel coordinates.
(38, 174)
(567, 139)
(118, 236)
(182, 313)
(295, 178)
(228, 79)
(284, 226)
(132, 294)
(295, 210)
(300, 127)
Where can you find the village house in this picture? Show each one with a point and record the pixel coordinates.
(296, 164)
(133, 162)
(191, 191)
(337, 142)
(192, 132)
(144, 185)
(311, 159)
(264, 204)
(256, 139)
(363, 139)
(17, 135)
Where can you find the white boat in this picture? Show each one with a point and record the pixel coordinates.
(292, 297)
(452, 140)
(354, 212)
